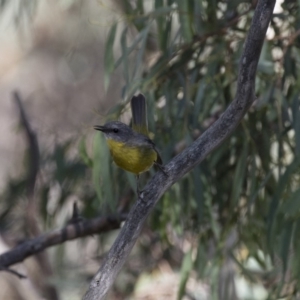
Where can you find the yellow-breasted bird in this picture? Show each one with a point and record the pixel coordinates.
(131, 148)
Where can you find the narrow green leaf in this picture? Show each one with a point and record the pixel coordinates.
(253, 182)
(101, 174)
(198, 102)
(296, 240)
(277, 195)
(244, 270)
(296, 244)
(292, 206)
(202, 259)
(296, 121)
(97, 164)
(83, 153)
(109, 56)
(140, 6)
(155, 71)
(198, 9)
(161, 11)
(186, 267)
(124, 56)
(286, 239)
(198, 187)
(128, 7)
(159, 22)
(213, 223)
(164, 23)
(184, 18)
(254, 191)
(266, 66)
(239, 176)
(140, 55)
(131, 48)
(133, 181)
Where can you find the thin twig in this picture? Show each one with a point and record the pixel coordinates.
(19, 275)
(76, 217)
(34, 152)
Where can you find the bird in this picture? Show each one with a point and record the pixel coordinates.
(130, 147)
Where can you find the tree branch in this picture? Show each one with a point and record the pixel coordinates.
(190, 157)
(69, 232)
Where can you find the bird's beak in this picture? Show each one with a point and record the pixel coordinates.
(100, 128)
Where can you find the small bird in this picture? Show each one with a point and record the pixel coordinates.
(131, 148)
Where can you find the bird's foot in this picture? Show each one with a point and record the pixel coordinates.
(162, 168)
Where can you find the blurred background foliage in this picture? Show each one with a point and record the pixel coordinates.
(229, 229)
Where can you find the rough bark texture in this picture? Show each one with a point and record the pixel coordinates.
(190, 157)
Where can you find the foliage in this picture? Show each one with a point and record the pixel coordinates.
(242, 202)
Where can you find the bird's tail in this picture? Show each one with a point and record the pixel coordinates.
(139, 114)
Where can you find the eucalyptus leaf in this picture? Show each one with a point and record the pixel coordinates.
(109, 55)
(186, 267)
(184, 17)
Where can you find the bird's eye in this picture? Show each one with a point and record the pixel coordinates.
(115, 130)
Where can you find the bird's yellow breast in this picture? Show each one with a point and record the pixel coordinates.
(132, 159)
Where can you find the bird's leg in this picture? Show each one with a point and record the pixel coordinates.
(137, 185)
(161, 167)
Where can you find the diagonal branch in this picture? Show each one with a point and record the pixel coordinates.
(190, 157)
(69, 232)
